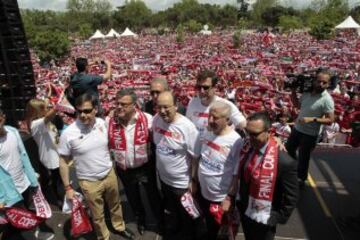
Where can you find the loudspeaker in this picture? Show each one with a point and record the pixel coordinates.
(17, 84)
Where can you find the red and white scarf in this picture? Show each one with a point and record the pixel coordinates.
(261, 178)
(118, 144)
(42, 206)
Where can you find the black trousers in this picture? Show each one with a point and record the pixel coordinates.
(212, 227)
(256, 231)
(305, 144)
(178, 223)
(133, 180)
(8, 230)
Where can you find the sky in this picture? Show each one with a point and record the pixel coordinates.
(152, 4)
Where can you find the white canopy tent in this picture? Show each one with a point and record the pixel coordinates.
(112, 33)
(128, 32)
(97, 35)
(349, 23)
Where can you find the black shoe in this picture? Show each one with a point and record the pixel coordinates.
(127, 234)
(141, 228)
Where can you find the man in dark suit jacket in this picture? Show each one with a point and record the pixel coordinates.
(268, 182)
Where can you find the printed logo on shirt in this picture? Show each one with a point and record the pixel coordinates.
(167, 133)
(166, 151)
(210, 164)
(201, 114)
(221, 149)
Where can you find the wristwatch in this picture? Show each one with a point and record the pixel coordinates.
(315, 120)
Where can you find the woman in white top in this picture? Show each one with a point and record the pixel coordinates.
(39, 114)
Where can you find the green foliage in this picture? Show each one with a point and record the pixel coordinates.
(193, 26)
(85, 16)
(243, 23)
(236, 39)
(335, 11)
(85, 31)
(323, 30)
(288, 23)
(50, 44)
(97, 13)
(260, 7)
(272, 15)
(355, 13)
(135, 14)
(228, 15)
(243, 9)
(180, 33)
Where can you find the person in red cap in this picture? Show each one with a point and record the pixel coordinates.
(18, 178)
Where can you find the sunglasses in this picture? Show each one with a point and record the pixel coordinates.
(205, 88)
(154, 92)
(253, 134)
(86, 111)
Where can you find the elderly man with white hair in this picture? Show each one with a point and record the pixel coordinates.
(218, 159)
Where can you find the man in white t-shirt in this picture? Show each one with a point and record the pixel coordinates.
(18, 180)
(177, 147)
(86, 142)
(198, 108)
(129, 143)
(217, 162)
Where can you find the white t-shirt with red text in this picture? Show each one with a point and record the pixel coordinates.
(177, 144)
(219, 155)
(199, 113)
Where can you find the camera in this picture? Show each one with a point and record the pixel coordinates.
(304, 82)
(301, 82)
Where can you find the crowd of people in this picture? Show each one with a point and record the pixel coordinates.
(253, 76)
(191, 123)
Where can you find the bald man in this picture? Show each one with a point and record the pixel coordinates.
(217, 160)
(177, 147)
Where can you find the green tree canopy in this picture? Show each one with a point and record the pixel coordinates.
(323, 30)
(288, 23)
(134, 14)
(50, 44)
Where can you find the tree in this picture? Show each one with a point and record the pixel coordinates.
(228, 15)
(259, 7)
(323, 30)
(335, 11)
(236, 39)
(288, 23)
(85, 30)
(180, 33)
(355, 13)
(134, 14)
(243, 8)
(94, 12)
(193, 26)
(50, 45)
(243, 23)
